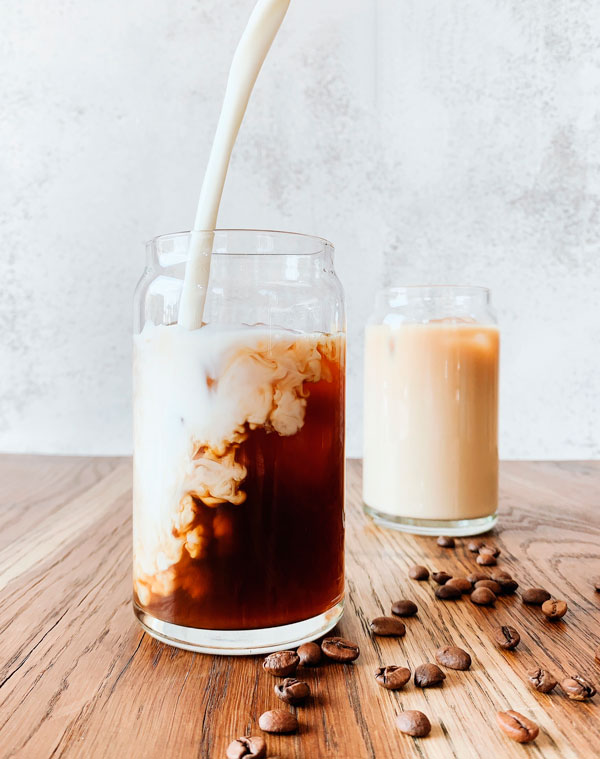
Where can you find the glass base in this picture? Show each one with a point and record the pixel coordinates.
(240, 642)
(455, 527)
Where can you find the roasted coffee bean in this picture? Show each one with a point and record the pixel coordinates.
(292, 691)
(499, 574)
(476, 577)
(487, 548)
(278, 721)
(309, 654)
(541, 680)
(517, 727)
(491, 584)
(554, 610)
(445, 541)
(404, 608)
(535, 596)
(392, 677)
(460, 583)
(483, 597)
(413, 723)
(252, 747)
(340, 649)
(578, 688)
(486, 559)
(388, 626)
(475, 545)
(596, 583)
(417, 572)
(447, 592)
(281, 663)
(441, 577)
(507, 586)
(453, 657)
(427, 675)
(507, 637)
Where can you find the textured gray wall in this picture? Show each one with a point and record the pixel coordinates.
(429, 141)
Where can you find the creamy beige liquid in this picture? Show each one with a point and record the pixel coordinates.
(431, 420)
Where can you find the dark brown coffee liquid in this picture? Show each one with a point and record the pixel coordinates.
(278, 557)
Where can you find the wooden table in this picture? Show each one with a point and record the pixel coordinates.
(78, 678)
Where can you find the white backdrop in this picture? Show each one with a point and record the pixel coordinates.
(431, 142)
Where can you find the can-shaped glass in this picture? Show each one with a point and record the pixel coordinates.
(238, 504)
(431, 410)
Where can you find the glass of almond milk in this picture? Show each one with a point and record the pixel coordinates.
(431, 410)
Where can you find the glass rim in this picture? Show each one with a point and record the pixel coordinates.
(323, 243)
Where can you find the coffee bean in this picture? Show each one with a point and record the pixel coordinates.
(517, 727)
(340, 649)
(281, 663)
(541, 680)
(507, 587)
(404, 608)
(486, 559)
(507, 637)
(278, 721)
(427, 675)
(441, 577)
(388, 626)
(475, 545)
(252, 747)
(413, 723)
(535, 596)
(292, 691)
(460, 583)
(483, 597)
(491, 584)
(417, 572)
(476, 576)
(554, 610)
(392, 677)
(309, 654)
(578, 688)
(596, 583)
(453, 657)
(499, 574)
(487, 548)
(445, 541)
(447, 592)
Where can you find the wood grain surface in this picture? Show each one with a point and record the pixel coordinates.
(78, 678)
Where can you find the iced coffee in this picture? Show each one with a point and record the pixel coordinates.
(431, 411)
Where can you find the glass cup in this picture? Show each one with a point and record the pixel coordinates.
(431, 410)
(239, 446)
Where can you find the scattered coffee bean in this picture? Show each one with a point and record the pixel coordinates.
(507, 587)
(491, 584)
(392, 677)
(281, 663)
(499, 574)
(483, 597)
(541, 680)
(292, 691)
(460, 583)
(476, 576)
(507, 637)
(404, 608)
(417, 572)
(252, 747)
(427, 675)
(453, 657)
(447, 592)
(486, 559)
(535, 596)
(487, 548)
(278, 721)
(388, 626)
(578, 688)
(445, 541)
(441, 577)
(596, 583)
(309, 654)
(517, 727)
(475, 545)
(413, 723)
(340, 649)
(554, 610)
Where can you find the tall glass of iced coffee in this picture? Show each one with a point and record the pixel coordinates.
(431, 410)
(239, 446)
